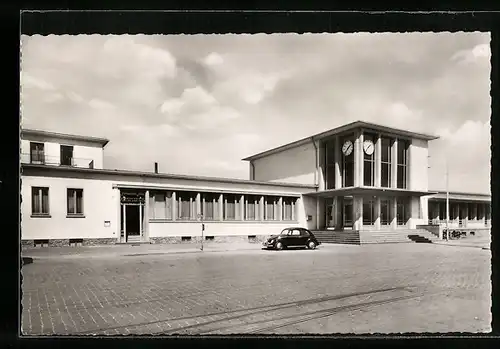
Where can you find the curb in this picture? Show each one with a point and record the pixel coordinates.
(460, 245)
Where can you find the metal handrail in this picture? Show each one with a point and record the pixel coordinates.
(43, 159)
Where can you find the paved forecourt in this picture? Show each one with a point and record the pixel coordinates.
(334, 289)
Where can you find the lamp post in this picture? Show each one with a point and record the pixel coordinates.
(447, 201)
(200, 216)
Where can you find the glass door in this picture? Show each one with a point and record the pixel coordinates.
(330, 213)
(347, 212)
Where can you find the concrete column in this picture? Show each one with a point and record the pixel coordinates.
(409, 179)
(118, 227)
(146, 216)
(261, 208)
(338, 212)
(394, 212)
(198, 206)
(242, 207)
(280, 209)
(338, 160)
(358, 159)
(321, 165)
(466, 218)
(221, 207)
(377, 213)
(358, 213)
(317, 213)
(394, 164)
(124, 223)
(141, 224)
(378, 161)
(174, 206)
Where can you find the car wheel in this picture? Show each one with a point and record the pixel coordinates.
(311, 245)
(279, 246)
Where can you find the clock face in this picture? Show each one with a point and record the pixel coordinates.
(368, 147)
(347, 148)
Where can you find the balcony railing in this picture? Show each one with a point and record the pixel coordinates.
(56, 161)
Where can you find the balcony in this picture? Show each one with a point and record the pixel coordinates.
(41, 159)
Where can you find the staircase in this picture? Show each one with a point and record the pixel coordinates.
(375, 236)
(337, 237)
(133, 238)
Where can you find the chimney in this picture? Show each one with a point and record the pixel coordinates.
(156, 167)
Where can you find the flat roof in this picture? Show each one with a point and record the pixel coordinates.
(461, 196)
(32, 132)
(341, 129)
(368, 191)
(161, 175)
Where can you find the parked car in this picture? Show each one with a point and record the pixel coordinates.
(292, 237)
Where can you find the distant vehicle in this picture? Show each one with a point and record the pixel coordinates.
(292, 237)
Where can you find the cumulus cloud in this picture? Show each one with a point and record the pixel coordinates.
(481, 51)
(213, 59)
(29, 81)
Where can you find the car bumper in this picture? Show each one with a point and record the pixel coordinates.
(268, 245)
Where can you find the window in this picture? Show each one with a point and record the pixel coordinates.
(402, 163)
(288, 209)
(386, 159)
(75, 201)
(252, 207)
(369, 161)
(66, 155)
(304, 233)
(37, 153)
(368, 211)
(186, 206)
(210, 206)
(347, 212)
(295, 232)
(231, 207)
(271, 205)
(385, 212)
(39, 201)
(442, 210)
(330, 165)
(348, 165)
(161, 205)
(480, 211)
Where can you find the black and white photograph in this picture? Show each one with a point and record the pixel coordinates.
(270, 184)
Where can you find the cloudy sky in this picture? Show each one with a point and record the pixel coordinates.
(198, 104)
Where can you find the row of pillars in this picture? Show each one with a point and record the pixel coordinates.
(357, 212)
(197, 201)
(459, 211)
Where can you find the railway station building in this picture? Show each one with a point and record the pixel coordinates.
(356, 180)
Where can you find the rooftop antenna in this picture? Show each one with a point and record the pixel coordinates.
(447, 200)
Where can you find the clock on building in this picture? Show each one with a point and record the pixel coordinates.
(347, 148)
(368, 147)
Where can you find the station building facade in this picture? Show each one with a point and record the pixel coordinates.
(360, 176)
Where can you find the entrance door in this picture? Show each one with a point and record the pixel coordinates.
(347, 214)
(330, 214)
(132, 223)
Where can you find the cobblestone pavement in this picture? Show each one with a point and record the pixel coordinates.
(345, 289)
